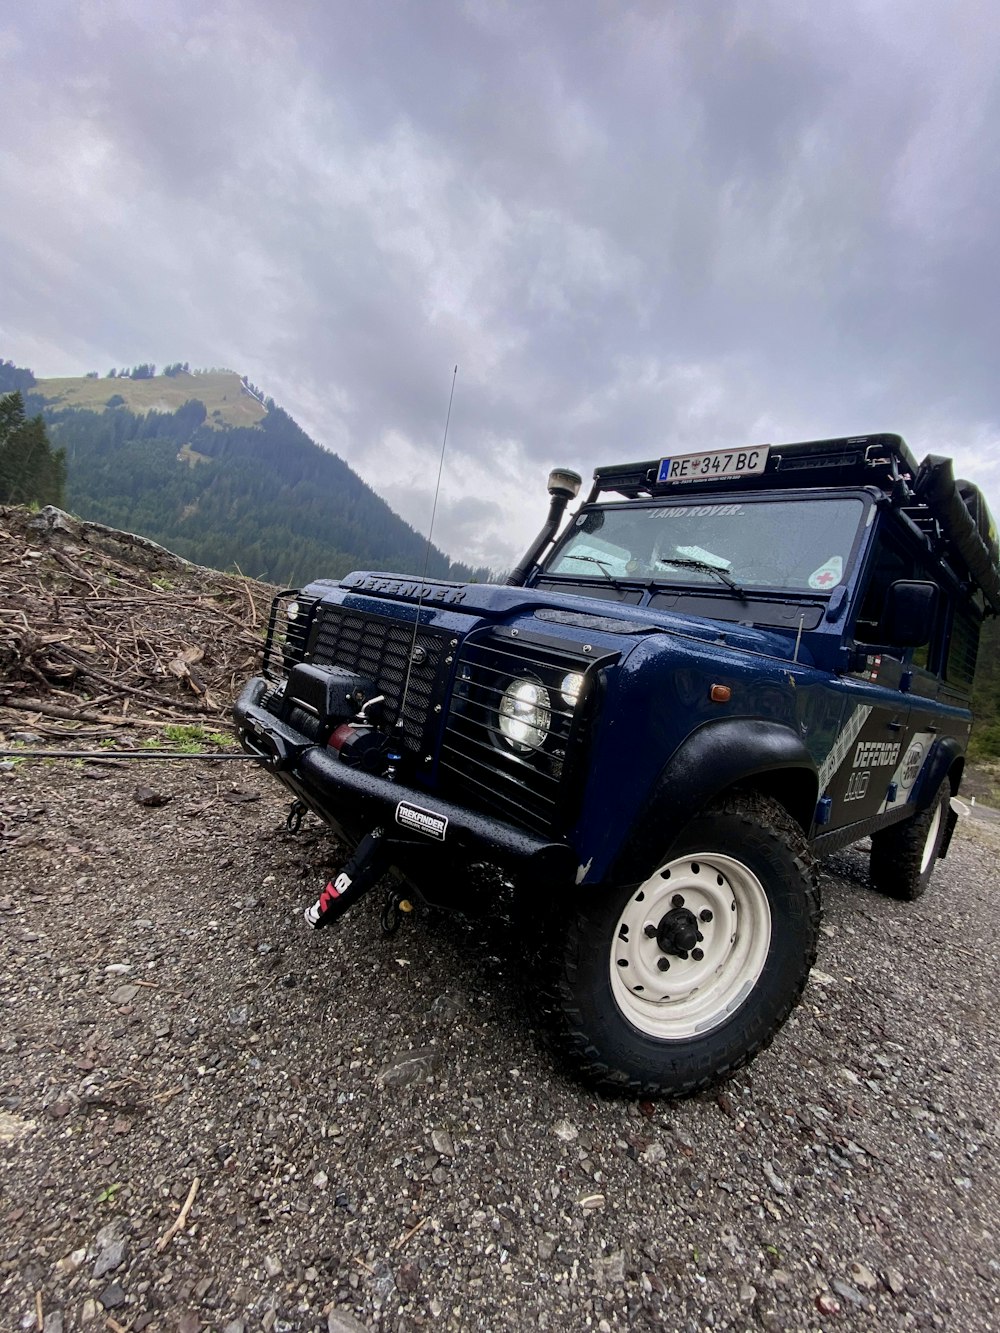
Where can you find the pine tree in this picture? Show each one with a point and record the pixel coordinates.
(30, 472)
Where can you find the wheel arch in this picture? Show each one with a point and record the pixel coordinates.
(946, 760)
(746, 754)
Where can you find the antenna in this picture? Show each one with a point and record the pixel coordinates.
(427, 556)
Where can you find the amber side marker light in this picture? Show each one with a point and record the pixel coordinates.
(720, 694)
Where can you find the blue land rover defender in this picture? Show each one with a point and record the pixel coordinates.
(722, 665)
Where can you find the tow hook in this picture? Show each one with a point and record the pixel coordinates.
(365, 868)
(397, 905)
(296, 810)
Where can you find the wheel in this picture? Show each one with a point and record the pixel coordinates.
(903, 857)
(665, 987)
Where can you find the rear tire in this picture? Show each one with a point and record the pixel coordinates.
(732, 910)
(903, 857)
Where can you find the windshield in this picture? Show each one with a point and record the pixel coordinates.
(800, 545)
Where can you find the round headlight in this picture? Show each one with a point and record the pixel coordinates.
(524, 714)
(292, 610)
(571, 687)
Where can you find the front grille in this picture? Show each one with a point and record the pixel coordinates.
(532, 788)
(380, 648)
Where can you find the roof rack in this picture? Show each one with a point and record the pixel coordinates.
(860, 460)
(952, 515)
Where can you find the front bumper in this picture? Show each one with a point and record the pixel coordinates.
(353, 802)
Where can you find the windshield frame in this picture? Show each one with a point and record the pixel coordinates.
(680, 580)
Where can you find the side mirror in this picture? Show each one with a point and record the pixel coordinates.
(908, 615)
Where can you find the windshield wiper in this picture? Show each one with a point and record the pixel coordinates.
(704, 566)
(593, 560)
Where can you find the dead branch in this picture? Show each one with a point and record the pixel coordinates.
(78, 715)
(180, 1222)
(137, 693)
(412, 1232)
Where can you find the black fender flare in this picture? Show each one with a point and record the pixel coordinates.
(770, 756)
(945, 758)
(944, 753)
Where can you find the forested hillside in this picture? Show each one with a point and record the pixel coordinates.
(144, 452)
(986, 697)
(205, 464)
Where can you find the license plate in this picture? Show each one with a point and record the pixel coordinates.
(712, 464)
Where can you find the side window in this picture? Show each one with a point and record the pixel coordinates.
(890, 565)
(893, 562)
(963, 649)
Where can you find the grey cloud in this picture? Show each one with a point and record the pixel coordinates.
(632, 226)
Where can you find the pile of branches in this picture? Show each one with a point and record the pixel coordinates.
(101, 629)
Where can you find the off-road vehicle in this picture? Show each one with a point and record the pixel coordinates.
(724, 664)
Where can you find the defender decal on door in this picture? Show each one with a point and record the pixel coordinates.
(842, 745)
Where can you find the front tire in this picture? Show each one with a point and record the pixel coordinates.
(668, 986)
(903, 857)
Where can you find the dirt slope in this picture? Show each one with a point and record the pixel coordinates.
(107, 634)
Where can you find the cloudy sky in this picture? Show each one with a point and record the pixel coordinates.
(633, 226)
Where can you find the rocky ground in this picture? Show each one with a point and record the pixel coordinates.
(369, 1134)
(213, 1118)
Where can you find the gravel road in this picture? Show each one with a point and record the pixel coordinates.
(370, 1135)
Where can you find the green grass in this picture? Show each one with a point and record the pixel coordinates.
(225, 399)
(190, 738)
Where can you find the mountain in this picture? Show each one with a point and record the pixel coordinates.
(205, 464)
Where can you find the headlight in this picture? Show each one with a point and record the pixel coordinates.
(571, 687)
(524, 714)
(292, 610)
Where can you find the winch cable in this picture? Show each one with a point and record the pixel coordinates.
(116, 754)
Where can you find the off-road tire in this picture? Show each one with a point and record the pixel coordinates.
(903, 857)
(751, 836)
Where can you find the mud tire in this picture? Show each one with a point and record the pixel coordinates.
(903, 857)
(593, 1024)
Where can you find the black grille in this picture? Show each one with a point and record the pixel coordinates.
(532, 787)
(379, 648)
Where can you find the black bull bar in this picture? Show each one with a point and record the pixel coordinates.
(416, 822)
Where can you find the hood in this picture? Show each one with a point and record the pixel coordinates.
(503, 603)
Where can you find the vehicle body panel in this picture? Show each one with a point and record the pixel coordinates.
(694, 684)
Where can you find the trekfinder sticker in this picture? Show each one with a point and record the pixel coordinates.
(419, 820)
(829, 574)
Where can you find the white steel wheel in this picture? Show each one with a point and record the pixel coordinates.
(637, 1002)
(690, 946)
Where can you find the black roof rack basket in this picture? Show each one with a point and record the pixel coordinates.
(863, 460)
(965, 521)
(932, 498)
